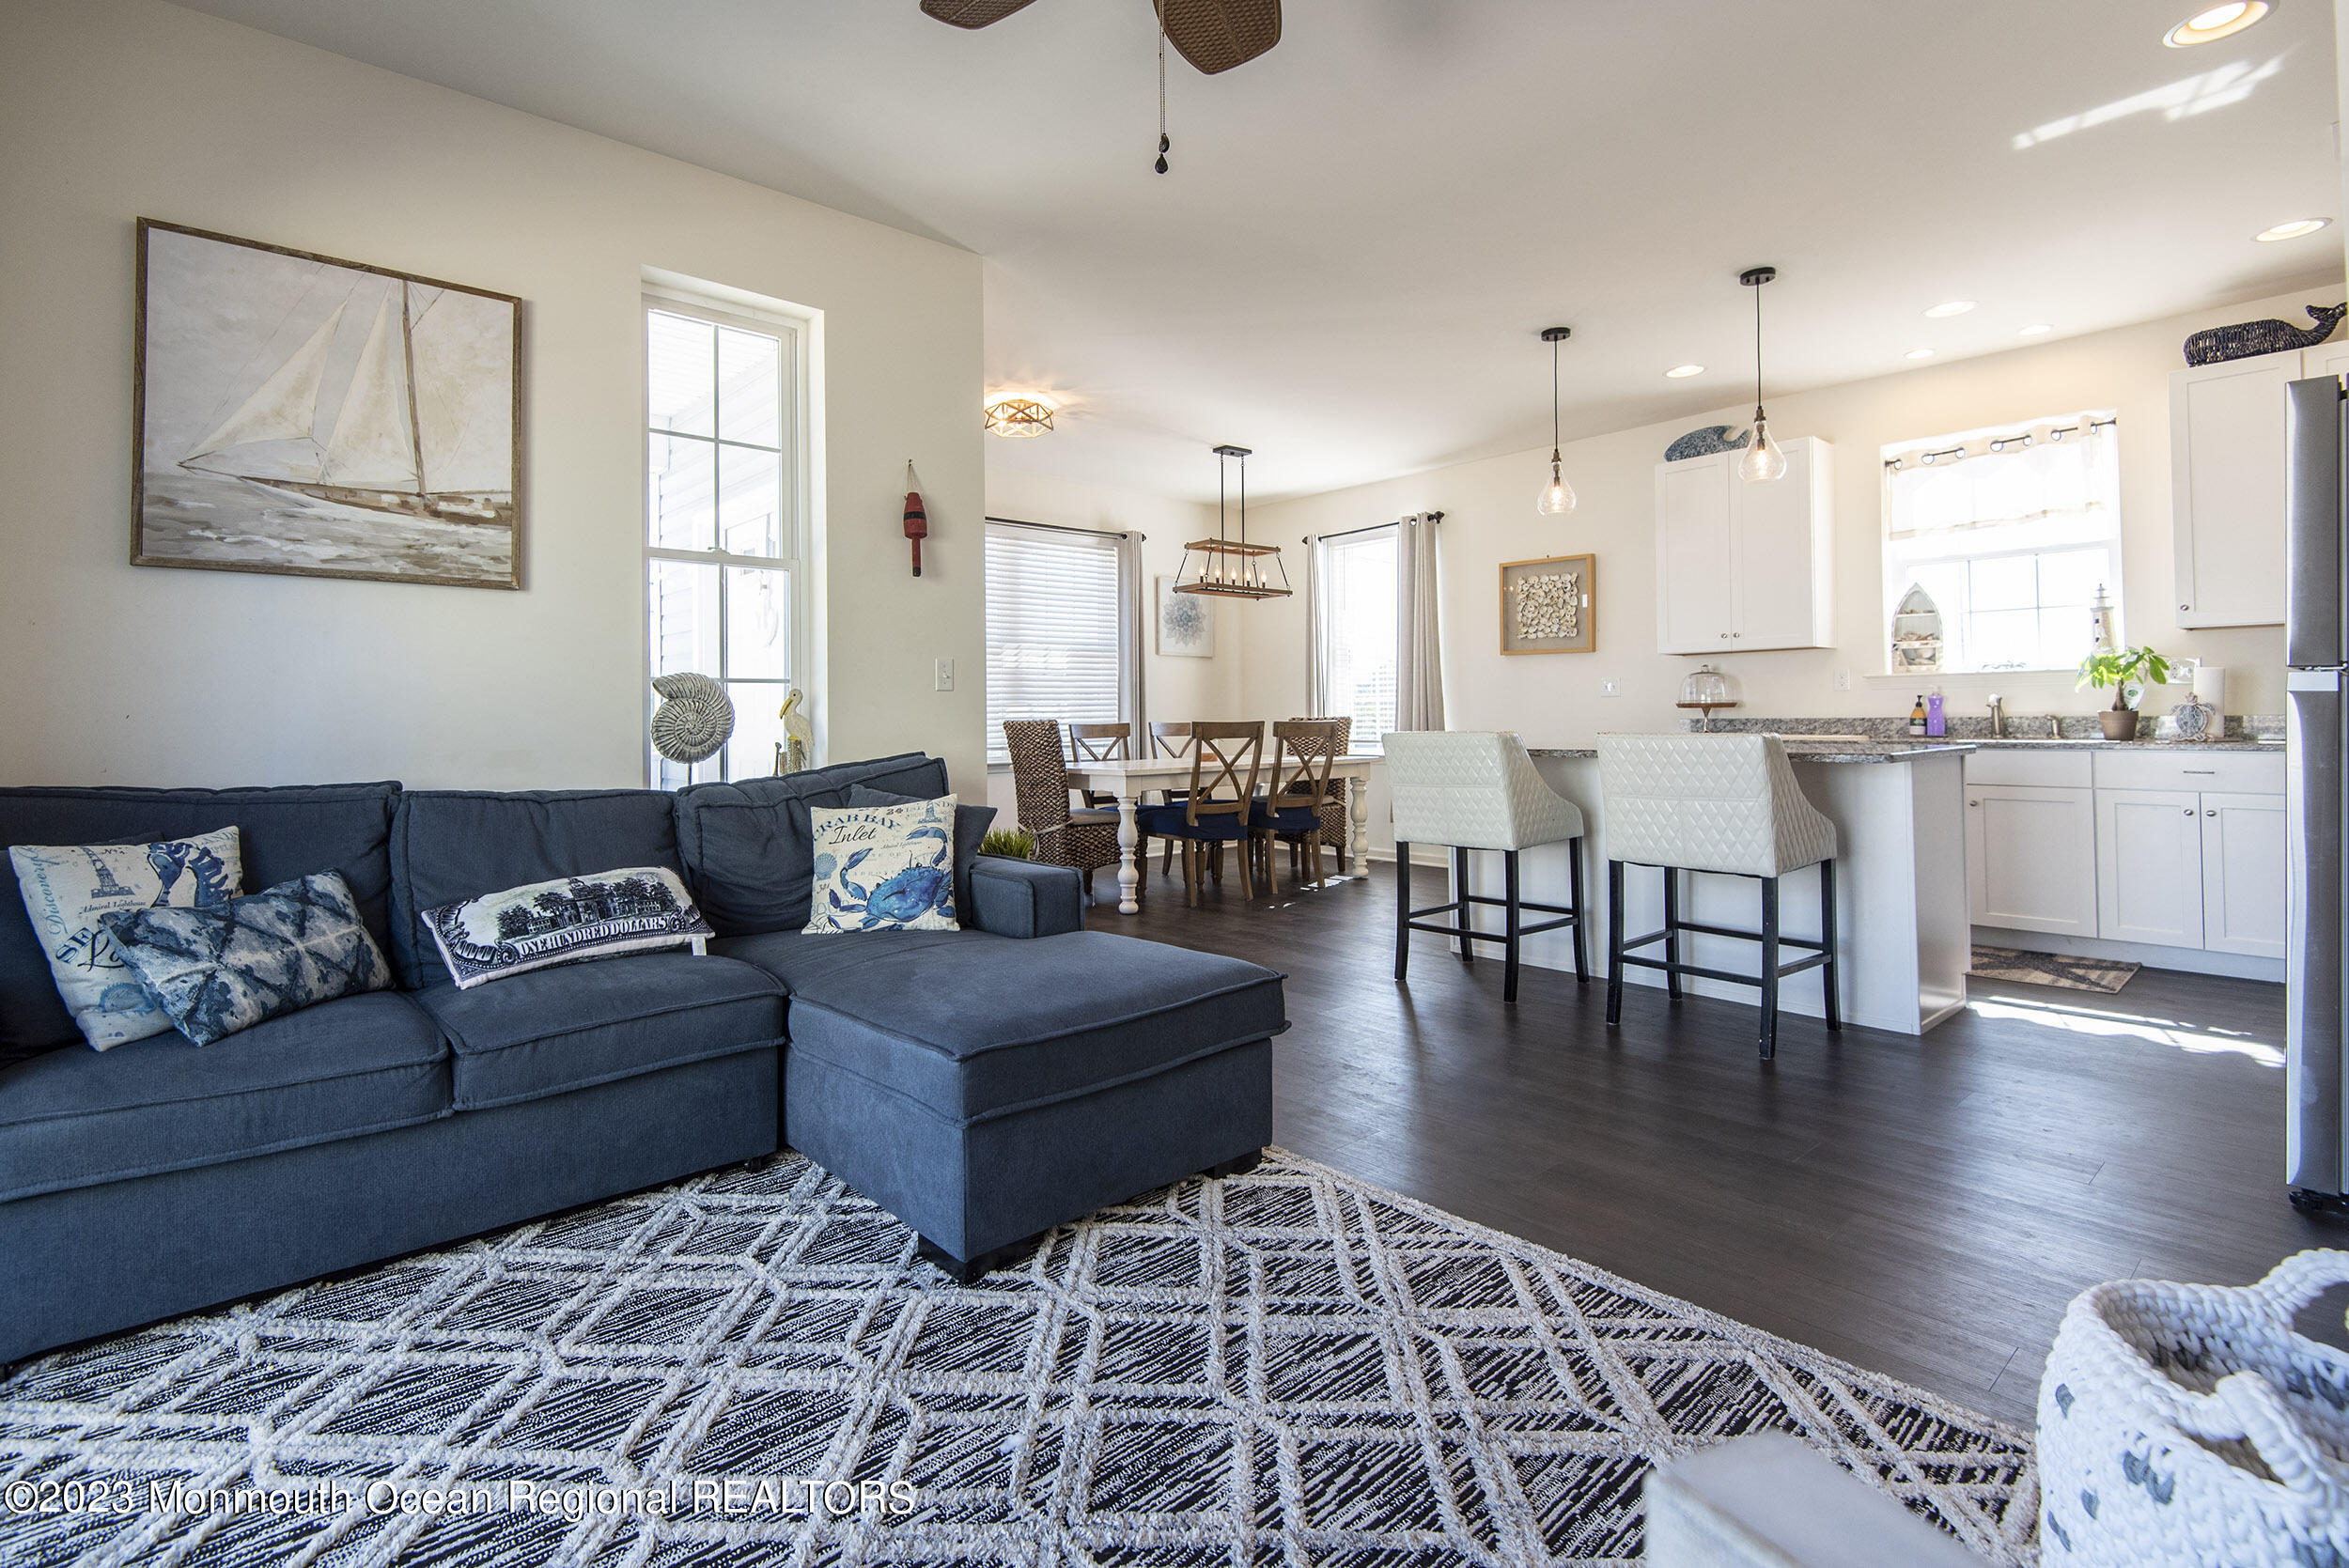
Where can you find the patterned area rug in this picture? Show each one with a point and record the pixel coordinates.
(2052, 969)
(1286, 1367)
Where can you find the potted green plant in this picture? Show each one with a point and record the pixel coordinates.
(1012, 844)
(2128, 672)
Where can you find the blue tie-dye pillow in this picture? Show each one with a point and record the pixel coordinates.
(884, 868)
(220, 968)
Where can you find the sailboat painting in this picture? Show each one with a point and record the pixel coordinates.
(323, 418)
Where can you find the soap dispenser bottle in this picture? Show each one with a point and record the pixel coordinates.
(1937, 724)
(1917, 716)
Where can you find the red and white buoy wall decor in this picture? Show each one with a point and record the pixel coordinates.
(917, 521)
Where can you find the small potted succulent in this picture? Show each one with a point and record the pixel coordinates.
(1012, 844)
(2128, 672)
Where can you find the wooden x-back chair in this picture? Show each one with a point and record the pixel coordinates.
(1225, 760)
(1303, 752)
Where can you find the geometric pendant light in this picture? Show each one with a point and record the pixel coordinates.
(1557, 497)
(1764, 459)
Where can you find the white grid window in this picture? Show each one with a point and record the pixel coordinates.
(1055, 628)
(2010, 533)
(1356, 580)
(723, 520)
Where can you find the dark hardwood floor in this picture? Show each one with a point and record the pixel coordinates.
(1924, 1207)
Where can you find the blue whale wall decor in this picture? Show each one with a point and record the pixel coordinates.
(2217, 345)
(1704, 443)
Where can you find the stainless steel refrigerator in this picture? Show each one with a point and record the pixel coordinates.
(2316, 659)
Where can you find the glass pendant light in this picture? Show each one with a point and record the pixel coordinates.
(1557, 498)
(1764, 458)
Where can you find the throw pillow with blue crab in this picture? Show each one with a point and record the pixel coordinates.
(884, 868)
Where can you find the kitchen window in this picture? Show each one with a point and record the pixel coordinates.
(723, 519)
(1057, 634)
(1354, 584)
(1998, 543)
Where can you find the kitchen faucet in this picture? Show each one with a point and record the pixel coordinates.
(1997, 718)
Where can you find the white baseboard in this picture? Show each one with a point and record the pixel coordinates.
(2192, 961)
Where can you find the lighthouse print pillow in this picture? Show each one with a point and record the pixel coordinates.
(67, 888)
(884, 868)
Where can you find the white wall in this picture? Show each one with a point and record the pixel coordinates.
(1553, 699)
(111, 110)
(1172, 688)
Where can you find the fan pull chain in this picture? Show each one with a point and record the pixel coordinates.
(1163, 144)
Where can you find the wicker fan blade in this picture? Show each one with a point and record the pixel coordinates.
(970, 13)
(1217, 35)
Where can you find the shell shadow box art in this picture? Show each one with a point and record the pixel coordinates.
(1550, 605)
(322, 418)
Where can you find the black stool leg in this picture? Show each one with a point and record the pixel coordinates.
(1509, 927)
(1614, 942)
(1461, 917)
(1581, 921)
(1672, 932)
(1401, 911)
(1770, 967)
(1827, 935)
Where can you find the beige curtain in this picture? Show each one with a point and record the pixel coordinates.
(1140, 620)
(1317, 662)
(1419, 649)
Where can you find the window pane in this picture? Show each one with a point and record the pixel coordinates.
(683, 604)
(2063, 636)
(758, 728)
(2073, 577)
(2011, 583)
(750, 385)
(1357, 621)
(1054, 647)
(758, 625)
(2005, 639)
(750, 501)
(680, 474)
(679, 378)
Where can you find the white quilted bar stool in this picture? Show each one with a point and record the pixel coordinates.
(1721, 804)
(1478, 790)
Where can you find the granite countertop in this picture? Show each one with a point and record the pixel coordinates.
(1799, 750)
(2085, 743)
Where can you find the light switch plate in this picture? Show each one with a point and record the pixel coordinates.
(1610, 687)
(943, 679)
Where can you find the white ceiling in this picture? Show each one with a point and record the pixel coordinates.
(1365, 228)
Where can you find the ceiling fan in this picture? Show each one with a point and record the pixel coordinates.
(1213, 35)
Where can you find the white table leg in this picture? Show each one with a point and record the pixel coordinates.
(1357, 815)
(1128, 873)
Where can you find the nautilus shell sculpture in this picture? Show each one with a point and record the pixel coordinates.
(693, 719)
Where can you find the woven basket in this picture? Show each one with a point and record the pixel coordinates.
(2189, 1424)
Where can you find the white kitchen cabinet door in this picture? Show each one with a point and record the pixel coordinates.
(2030, 858)
(1744, 566)
(2330, 360)
(2227, 489)
(1693, 561)
(1781, 530)
(2243, 874)
(2149, 866)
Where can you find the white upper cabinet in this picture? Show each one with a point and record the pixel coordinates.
(2227, 449)
(1743, 567)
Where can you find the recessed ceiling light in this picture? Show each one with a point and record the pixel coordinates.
(1919, 353)
(1951, 307)
(2037, 329)
(1682, 372)
(2216, 22)
(2292, 230)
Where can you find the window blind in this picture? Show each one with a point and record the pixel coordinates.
(1054, 628)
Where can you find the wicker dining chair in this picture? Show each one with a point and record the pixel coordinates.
(1086, 840)
(1337, 828)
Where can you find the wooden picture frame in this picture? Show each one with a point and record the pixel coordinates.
(300, 415)
(1533, 599)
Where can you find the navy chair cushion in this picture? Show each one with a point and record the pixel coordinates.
(283, 834)
(749, 849)
(554, 1029)
(79, 1118)
(1173, 822)
(975, 1026)
(1288, 820)
(450, 844)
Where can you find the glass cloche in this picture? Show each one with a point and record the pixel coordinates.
(1705, 689)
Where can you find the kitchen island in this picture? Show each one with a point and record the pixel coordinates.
(1904, 943)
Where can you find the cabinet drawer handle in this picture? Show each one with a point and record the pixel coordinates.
(1973, 803)
(2210, 813)
(2211, 771)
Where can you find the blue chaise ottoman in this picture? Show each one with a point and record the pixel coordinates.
(985, 1089)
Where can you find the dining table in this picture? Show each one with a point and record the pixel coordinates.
(1130, 781)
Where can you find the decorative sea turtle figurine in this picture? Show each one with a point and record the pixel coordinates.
(2217, 345)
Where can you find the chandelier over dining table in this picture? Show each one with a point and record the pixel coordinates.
(1229, 567)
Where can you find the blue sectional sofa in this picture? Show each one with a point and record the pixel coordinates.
(983, 1084)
